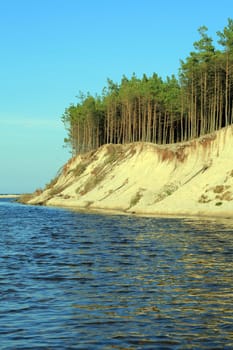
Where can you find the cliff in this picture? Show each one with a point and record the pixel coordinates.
(193, 178)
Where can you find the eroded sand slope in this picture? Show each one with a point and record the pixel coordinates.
(193, 178)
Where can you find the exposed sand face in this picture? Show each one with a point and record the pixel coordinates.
(194, 178)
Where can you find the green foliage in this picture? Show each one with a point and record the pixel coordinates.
(150, 109)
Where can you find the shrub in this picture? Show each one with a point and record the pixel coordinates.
(218, 189)
(135, 199)
(92, 182)
(80, 168)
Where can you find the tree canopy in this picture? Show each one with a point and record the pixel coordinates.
(150, 109)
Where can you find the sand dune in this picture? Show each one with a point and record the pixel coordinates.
(193, 178)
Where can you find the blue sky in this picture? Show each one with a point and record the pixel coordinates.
(52, 49)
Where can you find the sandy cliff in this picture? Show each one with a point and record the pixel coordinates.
(193, 178)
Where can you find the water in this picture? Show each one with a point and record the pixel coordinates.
(74, 280)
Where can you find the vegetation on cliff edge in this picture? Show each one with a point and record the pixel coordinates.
(151, 109)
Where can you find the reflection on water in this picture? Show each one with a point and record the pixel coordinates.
(83, 281)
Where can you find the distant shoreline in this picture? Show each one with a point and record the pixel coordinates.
(9, 195)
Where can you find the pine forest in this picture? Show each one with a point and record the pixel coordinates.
(150, 109)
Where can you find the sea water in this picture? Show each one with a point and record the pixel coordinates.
(76, 280)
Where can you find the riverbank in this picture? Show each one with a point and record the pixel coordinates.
(9, 195)
(187, 179)
(224, 215)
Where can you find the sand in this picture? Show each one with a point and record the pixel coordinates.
(9, 195)
(192, 178)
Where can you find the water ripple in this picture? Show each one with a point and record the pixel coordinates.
(74, 280)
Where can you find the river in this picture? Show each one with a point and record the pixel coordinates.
(76, 280)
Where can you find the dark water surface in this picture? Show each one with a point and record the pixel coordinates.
(74, 280)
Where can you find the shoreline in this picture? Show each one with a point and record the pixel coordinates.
(10, 195)
(227, 215)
